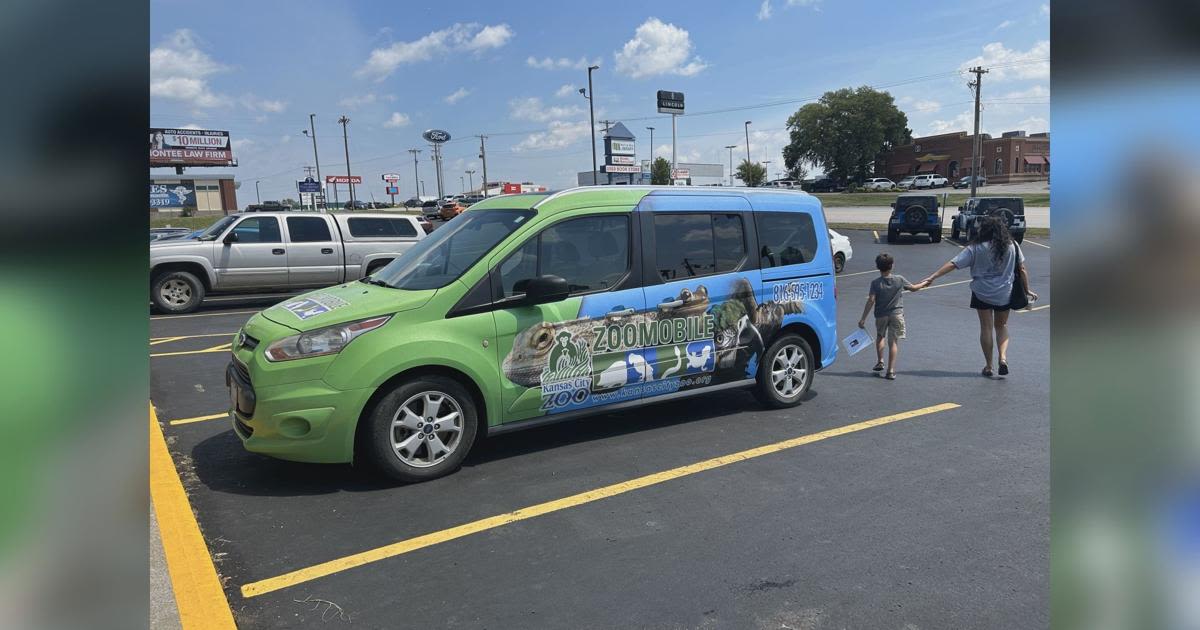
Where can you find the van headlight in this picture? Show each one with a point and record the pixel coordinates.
(322, 341)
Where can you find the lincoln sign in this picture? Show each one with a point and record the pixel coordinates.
(190, 147)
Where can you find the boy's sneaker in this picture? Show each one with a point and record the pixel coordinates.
(878, 367)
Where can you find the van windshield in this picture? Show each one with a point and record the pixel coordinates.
(450, 250)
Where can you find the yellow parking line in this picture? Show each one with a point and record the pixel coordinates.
(198, 419)
(154, 341)
(203, 315)
(856, 273)
(876, 233)
(1036, 308)
(194, 580)
(221, 348)
(338, 565)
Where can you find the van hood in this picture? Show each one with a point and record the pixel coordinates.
(343, 303)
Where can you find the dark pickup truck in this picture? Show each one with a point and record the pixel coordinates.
(267, 206)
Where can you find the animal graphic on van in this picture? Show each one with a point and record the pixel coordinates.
(632, 369)
(700, 357)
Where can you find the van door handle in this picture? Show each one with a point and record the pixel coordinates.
(326, 250)
(621, 312)
(278, 251)
(670, 304)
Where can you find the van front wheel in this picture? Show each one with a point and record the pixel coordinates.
(421, 430)
(785, 373)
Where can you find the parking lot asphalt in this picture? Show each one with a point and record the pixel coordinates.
(936, 520)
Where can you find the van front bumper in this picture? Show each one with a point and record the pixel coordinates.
(309, 421)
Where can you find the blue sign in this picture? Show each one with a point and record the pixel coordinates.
(172, 195)
(308, 185)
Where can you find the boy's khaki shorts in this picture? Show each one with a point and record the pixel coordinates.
(891, 326)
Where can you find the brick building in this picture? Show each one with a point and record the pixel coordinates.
(1013, 157)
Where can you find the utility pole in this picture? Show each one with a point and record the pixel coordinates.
(483, 156)
(747, 140)
(731, 147)
(651, 146)
(256, 194)
(416, 176)
(592, 116)
(437, 169)
(346, 143)
(312, 125)
(607, 124)
(462, 184)
(471, 178)
(766, 171)
(976, 145)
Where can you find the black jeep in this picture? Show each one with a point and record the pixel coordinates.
(915, 214)
(1011, 211)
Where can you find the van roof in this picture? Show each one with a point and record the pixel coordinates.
(768, 198)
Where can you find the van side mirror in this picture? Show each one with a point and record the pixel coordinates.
(230, 238)
(546, 289)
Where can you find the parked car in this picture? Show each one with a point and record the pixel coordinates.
(878, 183)
(1011, 211)
(267, 206)
(357, 204)
(431, 209)
(528, 309)
(424, 223)
(929, 180)
(915, 214)
(840, 244)
(965, 182)
(906, 183)
(275, 251)
(164, 232)
(470, 200)
(823, 184)
(450, 209)
(180, 236)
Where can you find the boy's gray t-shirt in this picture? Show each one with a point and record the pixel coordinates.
(889, 294)
(991, 281)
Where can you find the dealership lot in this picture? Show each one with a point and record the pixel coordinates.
(938, 518)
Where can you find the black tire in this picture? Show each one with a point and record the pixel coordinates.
(935, 236)
(1019, 238)
(839, 263)
(766, 391)
(176, 292)
(375, 440)
(954, 233)
(892, 235)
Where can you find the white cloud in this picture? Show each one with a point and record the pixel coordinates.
(962, 122)
(397, 120)
(804, 3)
(285, 139)
(1034, 124)
(1003, 25)
(1044, 10)
(255, 104)
(566, 90)
(457, 96)
(1006, 64)
(764, 10)
(191, 126)
(658, 48)
(383, 61)
(532, 109)
(562, 63)
(925, 106)
(559, 135)
(241, 144)
(1035, 92)
(179, 71)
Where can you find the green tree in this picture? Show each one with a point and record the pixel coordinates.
(752, 174)
(846, 132)
(660, 172)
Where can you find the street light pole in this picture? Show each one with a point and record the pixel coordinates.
(651, 146)
(462, 184)
(767, 170)
(747, 140)
(256, 195)
(591, 97)
(312, 124)
(471, 178)
(731, 147)
(346, 143)
(416, 175)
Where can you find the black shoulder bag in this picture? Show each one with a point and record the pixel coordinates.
(1020, 293)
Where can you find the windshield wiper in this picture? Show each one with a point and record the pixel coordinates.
(378, 283)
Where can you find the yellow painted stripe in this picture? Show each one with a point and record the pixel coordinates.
(203, 315)
(876, 233)
(338, 565)
(198, 419)
(198, 595)
(1036, 308)
(856, 273)
(221, 348)
(157, 340)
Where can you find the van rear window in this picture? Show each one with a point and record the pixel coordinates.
(366, 227)
(785, 238)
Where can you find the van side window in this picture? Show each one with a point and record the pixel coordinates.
(366, 227)
(691, 245)
(308, 230)
(786, 238)
(590, 253)
(258, 230)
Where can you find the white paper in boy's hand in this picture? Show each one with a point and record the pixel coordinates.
(857, 341)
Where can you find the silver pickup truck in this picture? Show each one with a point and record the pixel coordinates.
(275, 251)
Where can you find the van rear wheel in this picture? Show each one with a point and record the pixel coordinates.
(786, 372)
(420, 430)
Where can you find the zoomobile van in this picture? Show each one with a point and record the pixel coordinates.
(539, 307)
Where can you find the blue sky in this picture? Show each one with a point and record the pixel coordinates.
(258, 69)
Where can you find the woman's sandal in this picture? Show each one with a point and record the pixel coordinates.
(878, 367)
(987, 372)
(1003, 368)
(891, 376)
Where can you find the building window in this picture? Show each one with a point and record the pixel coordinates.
(998, 149)
(999, 167)
(1017, 165)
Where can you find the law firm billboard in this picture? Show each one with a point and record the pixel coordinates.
(190, 147)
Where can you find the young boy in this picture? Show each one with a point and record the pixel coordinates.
(885, 294)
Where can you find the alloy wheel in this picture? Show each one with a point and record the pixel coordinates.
(426, 429)
(789, 371)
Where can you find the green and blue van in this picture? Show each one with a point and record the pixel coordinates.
(534, 308)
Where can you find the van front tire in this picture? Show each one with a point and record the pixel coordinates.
(176, 292)
(785, 373)
(421, 430)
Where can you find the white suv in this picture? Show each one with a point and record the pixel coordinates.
(929, 180)
(878, 183)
